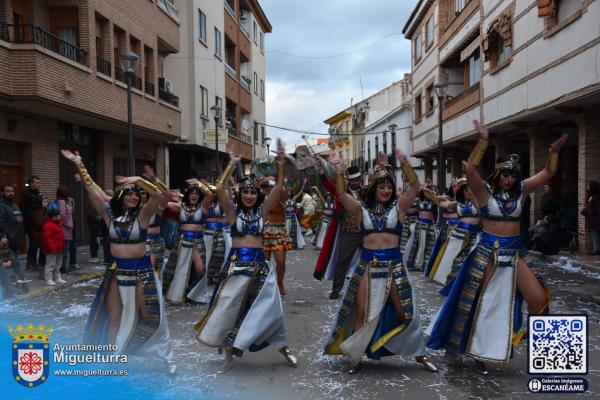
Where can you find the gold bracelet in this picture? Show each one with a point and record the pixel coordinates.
(148, 187)
(409, 172)
(203, 188)
(85, 176)
(340, 183)
(552, 162)
(281, 172)
(431, 196)
(478, 152)
(226, 174)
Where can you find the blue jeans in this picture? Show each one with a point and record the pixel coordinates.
(5, 283)
(16, 265)
(66, 251)
(169, 230)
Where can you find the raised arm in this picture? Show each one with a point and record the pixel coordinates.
(351, 205)
(154, 201)
(408, 196)
(474, 180)
(544, 176)
(96, 199)
(448, 205)
(295, 197)
(278, 192)
(221, 192)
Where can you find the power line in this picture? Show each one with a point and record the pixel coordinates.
(305, 132)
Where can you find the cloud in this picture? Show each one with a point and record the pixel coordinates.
(301, 92)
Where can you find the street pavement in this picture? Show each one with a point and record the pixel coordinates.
(310, 315)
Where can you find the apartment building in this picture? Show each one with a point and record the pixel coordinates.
(221, 64)
(530, 73)
(61, 86)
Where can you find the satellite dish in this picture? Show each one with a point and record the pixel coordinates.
(245, 125)
(431, 139)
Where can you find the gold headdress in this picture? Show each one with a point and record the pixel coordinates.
(511, 163)
(249, 182)
(381, 174)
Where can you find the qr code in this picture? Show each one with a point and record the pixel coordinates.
(558, 344)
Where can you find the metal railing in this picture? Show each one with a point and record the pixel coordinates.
(149, 88)
(169, 8)
(120, 75)
(245, 83)
(246, 138)
(168, 97)
(32, 34)
(136, 82)
(229, 9)
(230, 71)
(103, 66)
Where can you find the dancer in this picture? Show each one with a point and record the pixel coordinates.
(276, 240)
(128, 310)
(328, 210)
(180, 280)
(379, 314)
(418, 253)
(409, 225)
(246, 312)
(291, 220)
(155, 241)
(462, 236)
(481, 316)
(216, 238)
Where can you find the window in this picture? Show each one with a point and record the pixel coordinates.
(254, 31)
(418, 116)
(385, 142)
(218, 43)
(418, 48)
(393, 134)
(430, 32)
(473, 71)
(459, 5)
(201, 26)
(262, 41)
(376, 146)
(204, 102)
(368, 150)
(429, 99)
(262, 90)
(219, 103)
(497, 44)
(255, 83)
(255, 133)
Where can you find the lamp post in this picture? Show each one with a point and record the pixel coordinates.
(216, 111)
(440, 91)
(129, 62)
(267, 142)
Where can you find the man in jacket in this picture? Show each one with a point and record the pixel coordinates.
(11, 221)
(33, 217)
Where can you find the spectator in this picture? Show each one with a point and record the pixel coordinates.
(105, 236)
(7, 257)
(11, 222)
(93, 224)
(546, 236)
(170, 223)
(66, 220)
(33, 217)
(53, 244)
(550, 203)
(592, 215)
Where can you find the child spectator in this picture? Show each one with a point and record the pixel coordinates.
(7, 257)
(53, 244)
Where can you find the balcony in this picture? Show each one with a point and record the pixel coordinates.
(103, 66)
(229, 9)
(461, 102)
(149, 88)
(31, 34)
(168, 7)
(246, 138)
(168, 97)
(120, 75)
(230, 71)
(245, 82)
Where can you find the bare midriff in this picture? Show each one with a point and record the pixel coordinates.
(128, 250)
(501, 228)
(254, 242)
(469, 220)
(192, 227)
(426, 215)
(153, 230)
(383, 240)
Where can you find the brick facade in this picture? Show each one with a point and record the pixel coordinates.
(588, 168)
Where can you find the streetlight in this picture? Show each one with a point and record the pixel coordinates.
(129, 62)
(216, 111)
(267, 142)
(440, 91)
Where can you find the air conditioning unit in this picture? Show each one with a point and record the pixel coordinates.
(169, 86)
(161, 84)
(244, 15)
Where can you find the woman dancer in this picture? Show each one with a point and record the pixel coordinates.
(216, 238)
(462, 236)
(154, 242)
(481, 316)
(328, 210)
(379, 314)
(275, 237)
(409, 226)
(246, 312)
(179, 278)
(128, 310)
(291, 220)
(418, 254)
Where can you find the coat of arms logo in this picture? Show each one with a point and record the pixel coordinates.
(30, 354)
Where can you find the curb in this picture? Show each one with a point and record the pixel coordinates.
(49, 289)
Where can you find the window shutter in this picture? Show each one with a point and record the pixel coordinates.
(566, 8)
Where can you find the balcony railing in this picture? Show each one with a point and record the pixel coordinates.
(229, 9)
(245, 82)
(31, 34)
(149, 88)
(230, 71)
(246, 138)
(168, 97)
(136, 82)
(168, 7)
(103, 66)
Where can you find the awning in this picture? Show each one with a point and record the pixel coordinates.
(466, 53)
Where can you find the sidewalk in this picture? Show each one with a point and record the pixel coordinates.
(37, 287)
(586, 261)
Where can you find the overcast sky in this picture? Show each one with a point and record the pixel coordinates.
(301, 92)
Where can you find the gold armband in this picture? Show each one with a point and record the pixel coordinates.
(431, 196)
(552, 162)
(281, 172)
(340, 183)
(478, 152)
(85, 176)
(226, 174)
(203, 188)
(409, 172)
(161, 186)
(148, 187)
